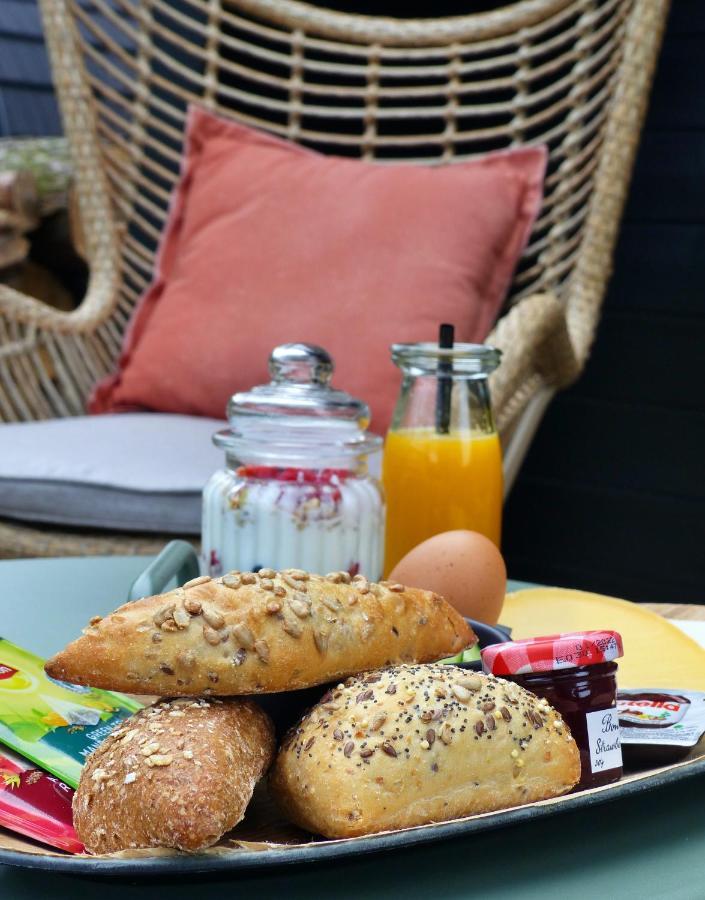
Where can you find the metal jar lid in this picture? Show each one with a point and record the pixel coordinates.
(552, 653)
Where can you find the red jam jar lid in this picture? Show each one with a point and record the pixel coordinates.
(555, 651)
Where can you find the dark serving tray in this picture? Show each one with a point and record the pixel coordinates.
(245, 849)
(221, 861)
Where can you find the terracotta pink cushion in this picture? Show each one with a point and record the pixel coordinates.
(268, 242)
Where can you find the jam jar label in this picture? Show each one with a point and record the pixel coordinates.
(604, 739)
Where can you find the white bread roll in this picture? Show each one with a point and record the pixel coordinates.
(417, 744)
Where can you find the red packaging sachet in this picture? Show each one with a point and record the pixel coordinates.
(36, 804)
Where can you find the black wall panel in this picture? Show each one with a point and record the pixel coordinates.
(612, 495)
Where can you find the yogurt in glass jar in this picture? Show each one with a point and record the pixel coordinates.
(296, 491)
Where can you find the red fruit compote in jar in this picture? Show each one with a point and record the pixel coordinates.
(576, 673)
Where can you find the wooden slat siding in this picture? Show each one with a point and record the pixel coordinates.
(655, 274)
(676, 102)
(641, 357)
(413, 8)
(669, 180)
(655, 436)
(603, 539)
(21, 19)
(612, 495)
(28, 112)
(23, 62)
(27, 104)
(687, 18)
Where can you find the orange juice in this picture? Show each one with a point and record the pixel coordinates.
(439, 482)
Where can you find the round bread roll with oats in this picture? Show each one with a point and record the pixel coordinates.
(177, 774)
(250, 633)
(417, 744)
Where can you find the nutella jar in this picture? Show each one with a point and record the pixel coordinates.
(659, 726)
(651, 709)
(576, 673)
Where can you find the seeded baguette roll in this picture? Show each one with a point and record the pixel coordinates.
(250, 634)
(419, 744)
(177, 774)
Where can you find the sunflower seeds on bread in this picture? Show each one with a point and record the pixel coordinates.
(250, 633)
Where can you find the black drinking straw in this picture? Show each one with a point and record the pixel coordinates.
(446, 336)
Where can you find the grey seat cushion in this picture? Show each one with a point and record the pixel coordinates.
(127, 472)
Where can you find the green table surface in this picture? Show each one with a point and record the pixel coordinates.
(651, 845)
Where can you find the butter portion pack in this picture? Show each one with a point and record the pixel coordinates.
(53, 724)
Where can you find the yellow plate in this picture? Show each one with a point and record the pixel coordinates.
(656, 653)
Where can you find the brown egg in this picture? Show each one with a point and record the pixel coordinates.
(464, 567)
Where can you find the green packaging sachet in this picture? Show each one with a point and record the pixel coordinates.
(53, 724)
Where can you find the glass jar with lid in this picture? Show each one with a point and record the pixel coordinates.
(296, 491)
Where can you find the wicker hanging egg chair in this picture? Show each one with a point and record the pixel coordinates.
(571, 74)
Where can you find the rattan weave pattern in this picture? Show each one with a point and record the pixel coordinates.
(20, 540)
(573, 74)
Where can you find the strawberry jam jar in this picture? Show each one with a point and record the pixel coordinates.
(577, 674)
(296, 491)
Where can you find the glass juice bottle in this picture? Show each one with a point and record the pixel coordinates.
(442, 467)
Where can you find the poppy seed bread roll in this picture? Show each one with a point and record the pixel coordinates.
(177, 774)
(418, 744)
(250, 634)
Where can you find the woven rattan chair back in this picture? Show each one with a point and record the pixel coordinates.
(571, 74)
